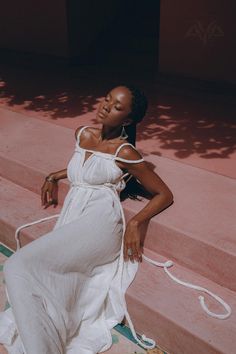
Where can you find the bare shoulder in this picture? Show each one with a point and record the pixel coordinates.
(129, 152)
(87, 133)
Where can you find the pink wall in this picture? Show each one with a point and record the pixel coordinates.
(197, 39)
(64, 28)
(31, 26)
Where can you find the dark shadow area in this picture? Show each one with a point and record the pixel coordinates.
(57, 92)
(187, 121)
(130, 38)
(125, 45)
(194, 126)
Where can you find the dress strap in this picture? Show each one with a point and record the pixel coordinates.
(80, 132)
(120, 147)
(126, 160)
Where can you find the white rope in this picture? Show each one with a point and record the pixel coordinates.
(151, 342)
(168, 264)
(29, 224)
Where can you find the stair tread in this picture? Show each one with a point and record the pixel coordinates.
(156, 291)
(151, 288)
(22, 206)
(197, 230)
(199, 195)
(204, 203)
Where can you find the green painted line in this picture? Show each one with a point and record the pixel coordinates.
(6, 251)
(115, 339)
(126, 332)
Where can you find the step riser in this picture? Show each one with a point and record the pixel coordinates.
(200, 257)
(168, 334)
(28, 178)
(210, 262)
(7, 235)
(27, 235)
(160, 308)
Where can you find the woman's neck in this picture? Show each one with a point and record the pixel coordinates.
(108, 133)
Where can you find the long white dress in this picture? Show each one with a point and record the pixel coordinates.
(66, 289)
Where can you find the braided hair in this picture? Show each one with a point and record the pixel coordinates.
(138, 110)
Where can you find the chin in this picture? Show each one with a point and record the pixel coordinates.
(99, 120)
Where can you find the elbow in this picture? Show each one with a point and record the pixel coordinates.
(169, 197)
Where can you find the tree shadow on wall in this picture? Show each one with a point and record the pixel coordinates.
(54, 93)
(187, 127)
(176, 122)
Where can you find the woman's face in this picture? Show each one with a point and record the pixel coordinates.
(114, 109)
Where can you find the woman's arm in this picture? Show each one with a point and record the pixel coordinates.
(59, 174)
(49, 190)
(162, 197)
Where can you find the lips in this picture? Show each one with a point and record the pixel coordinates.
(102, 115)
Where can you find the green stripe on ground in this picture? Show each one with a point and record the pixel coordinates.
(126, 332)
(6, 251)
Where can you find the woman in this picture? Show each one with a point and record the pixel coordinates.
(66, 289)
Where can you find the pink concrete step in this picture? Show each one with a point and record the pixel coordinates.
(198, 230)
(31, 149)
(20, 206)
(172, 314)
(159, 308)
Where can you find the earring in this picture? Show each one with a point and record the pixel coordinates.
(123, 134)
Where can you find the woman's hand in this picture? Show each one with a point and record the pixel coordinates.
(49, 194)
(132, 244)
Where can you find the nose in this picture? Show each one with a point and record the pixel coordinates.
(106, 107)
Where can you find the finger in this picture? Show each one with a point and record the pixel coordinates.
(138, 253)
(49, 196)
(54, 203)
(125, 252)
(43, 192)
(127, 246)
(50, 202)
(55, 195)
(46, 205)
(47, 201)
(132, 256)
(41, 197)
(44, 197)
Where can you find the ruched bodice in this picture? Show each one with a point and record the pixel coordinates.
(99, 168)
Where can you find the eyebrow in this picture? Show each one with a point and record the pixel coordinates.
(116, 100)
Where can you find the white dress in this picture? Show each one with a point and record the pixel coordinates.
(66, 289)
